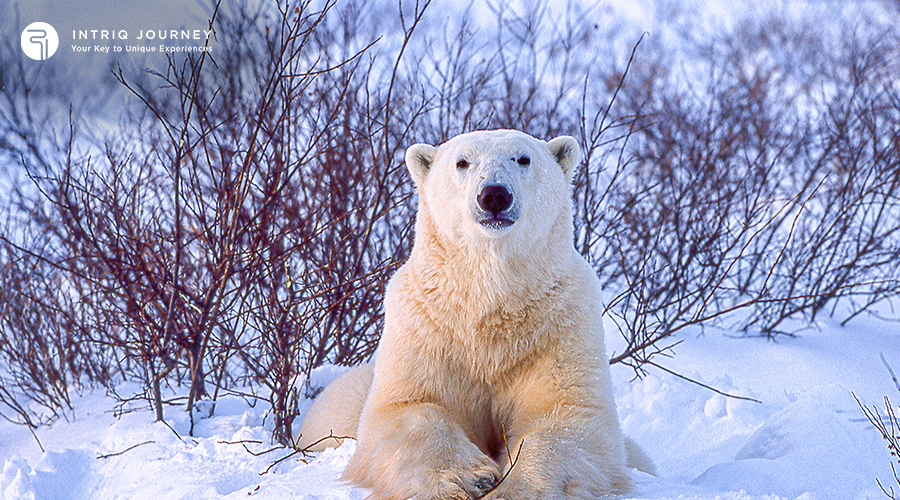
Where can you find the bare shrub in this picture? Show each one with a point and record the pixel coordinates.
(766, 189)
(846, 241)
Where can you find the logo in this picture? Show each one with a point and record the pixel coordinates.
(39, 41)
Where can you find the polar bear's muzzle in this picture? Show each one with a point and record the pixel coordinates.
(496, 209)
(495, 198)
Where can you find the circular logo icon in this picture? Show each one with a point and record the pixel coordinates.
(39, 41)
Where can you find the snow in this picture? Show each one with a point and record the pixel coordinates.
(806, 439)
(102, 456)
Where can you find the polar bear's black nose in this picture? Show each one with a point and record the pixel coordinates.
(495, 198)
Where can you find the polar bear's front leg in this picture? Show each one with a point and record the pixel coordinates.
(416, 450)
(564, 436)
(563, 461)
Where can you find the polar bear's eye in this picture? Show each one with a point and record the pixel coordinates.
(524, 160)
(462, 164)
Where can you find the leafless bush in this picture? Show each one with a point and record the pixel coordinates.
(697, 199)
(767, 189)
(847, 238)
(331, 236)
(44, 351)
(241, 224)
(35, 359)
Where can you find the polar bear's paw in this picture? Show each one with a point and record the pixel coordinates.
(467, 482)
(556, 487)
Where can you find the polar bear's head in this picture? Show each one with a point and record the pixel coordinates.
(494, 185)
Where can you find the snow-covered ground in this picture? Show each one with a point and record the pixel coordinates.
(807, 439)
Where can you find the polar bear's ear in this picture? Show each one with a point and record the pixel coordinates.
(419, 158)
(566, 152)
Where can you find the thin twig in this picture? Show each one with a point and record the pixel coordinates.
(701, 384)
(891, 371)
(512, 461)
(308, 448)
(124, 451)
(173, 430)
(242, 441)
(296, 451)
(30, 428)
(282, 459)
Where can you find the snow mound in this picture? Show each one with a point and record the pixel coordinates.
(809, 446)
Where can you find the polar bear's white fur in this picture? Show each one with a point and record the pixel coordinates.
(492, 363)
(334, 417)
(335, 412)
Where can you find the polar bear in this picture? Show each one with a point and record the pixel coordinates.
(491, 378)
